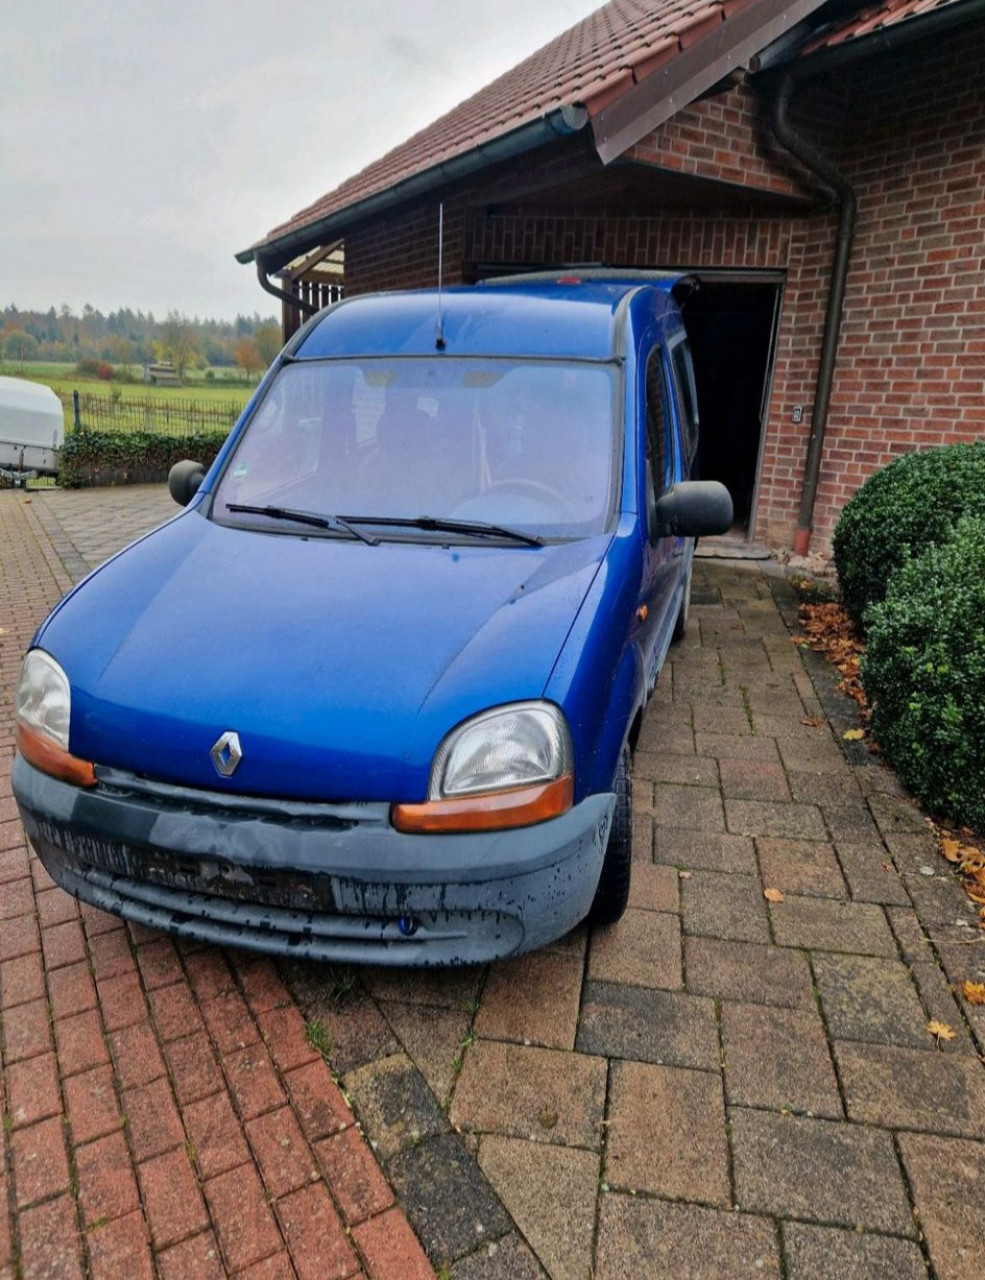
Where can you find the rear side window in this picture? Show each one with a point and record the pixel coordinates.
(659, 448)
(680, 355)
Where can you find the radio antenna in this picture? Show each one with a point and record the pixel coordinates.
(439, 337)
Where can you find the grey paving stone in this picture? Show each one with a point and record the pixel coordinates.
(825, 788)
(851, 823)
(807, 867)
(912, 940)
(446, 1198)
(939, 899)
(648, 1026)
(642, 838)
(947, 1176)
(533, 1181)
(356, 1030)
(533, 999)
(726, 746)
(897, 814)
(432, 1037)
(826, 925)
(652, 1238)
(870, 873)
(644, 949)
(394, 1104)
(778, 1058)
(942, 1005)
(913, 1088)
(449, 988)
(521, 1091)
(654, 888)
(815, 755)
(651, 1109)
(506, 1259)
(720, 720)
(724, 906)
(670, 734)
(869, 998)
(705, 851)
(753, 780)
(830, 1253)
(748, 972)
(820, 1170)
(912, 851)
(769, 818)
(693, 808)
(690, 771)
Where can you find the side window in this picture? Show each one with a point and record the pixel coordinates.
(688, 398)
(659, 454)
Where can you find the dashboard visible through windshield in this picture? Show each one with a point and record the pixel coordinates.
(524, 446)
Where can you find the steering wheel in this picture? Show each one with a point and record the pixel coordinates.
(532, 487)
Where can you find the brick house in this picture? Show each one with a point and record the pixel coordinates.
(819, 164)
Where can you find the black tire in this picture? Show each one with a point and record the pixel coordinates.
(613, 892)
(680, 626)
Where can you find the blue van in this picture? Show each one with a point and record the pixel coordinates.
(372, 694)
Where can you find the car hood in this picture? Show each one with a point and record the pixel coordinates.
(341, 666)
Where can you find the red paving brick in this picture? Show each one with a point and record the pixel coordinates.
(120, 1250)
(50, 1241)
(229, 1022)
(121, 1000)
(285, 1033)
(21, 980)
(175, 1011)
(318, 1100)
(63, 944)
(216, 1135)
(40, 1161)
(107, 1188)
(359, 1188)
(92, 1105)
(80, 1043)
(245, 1226)
(253, 1081)
(175, 1208)
(71, 990)
(137, 1057)
(194, 1259)
(26, 1032)
(153, 1121)
(32, 1090)
(194, 1070)
(390, 1249)
(282, 1152)
(159, 964)
(315, 1235)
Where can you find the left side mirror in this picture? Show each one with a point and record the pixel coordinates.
(184, 480)
(693, 509)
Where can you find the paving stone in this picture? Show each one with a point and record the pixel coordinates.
(243, 1222)
(648, 1026)
(49, 1242)
(769, 818)
(389, 1246)
(356, 1030)
(640, 1237)
(505, 1259)
(677, 1113)
(748, 972)
(865, 998)
(532, 1181)
(825, 925)
(643, 949)
(522, 1091)
(693, 808)
(446, 1197)
(653, 888)
(121, 1248)
(173, 1202)
(533, 999)
(194, 1070)
(704, 851)
(744, 779)
(870, 873)
(40, 1162)
(914, 850)
(450, 988)
(814, 755)
(642, 838)
(315, 1235)
(947, 1176)
(939, 899)
(433, 1038)
(835, 789)
(106, 1184)
(317, 1100)
(804, 867)
(942, 1005)
(216, 1135)
(896, 814)
(655, 766)
(913, 942)
(711, 719)
(830, 1253)
(153, 1122)
(912, 1088)
(90, 1099)
(396, 1107)
(198, 1257)
(358, 1186)
(821, 1170)
(778, 1058)
(725, 746)
(724, 906)
(282, 1153)
(253, 1081)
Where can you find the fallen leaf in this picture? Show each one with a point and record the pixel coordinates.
(812, 722)
(975, 893)
(951, 849)
(973, 992)
(941, 1030)
(853, 735)
(772, 895)
(547, 1118)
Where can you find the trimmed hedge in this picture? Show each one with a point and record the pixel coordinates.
(915, 501)
(130, 457)
(924, 674)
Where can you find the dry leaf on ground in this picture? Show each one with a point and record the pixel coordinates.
(973, 992)
(772, 895)
(941, 1030)
(853, 735)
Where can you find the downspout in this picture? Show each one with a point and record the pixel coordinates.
(831, 177)
(291, 299)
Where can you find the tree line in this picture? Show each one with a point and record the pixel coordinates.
(125, 338)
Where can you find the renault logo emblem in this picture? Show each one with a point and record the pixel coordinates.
(226, 754)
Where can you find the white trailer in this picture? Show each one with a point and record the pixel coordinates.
(32, 429)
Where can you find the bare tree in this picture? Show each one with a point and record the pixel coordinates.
(178, 342)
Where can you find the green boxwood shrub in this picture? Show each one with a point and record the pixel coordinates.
(130, 457)
(924, 674)
(915, 501)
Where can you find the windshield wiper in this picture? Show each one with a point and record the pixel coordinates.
(334, 523)
(439, 524)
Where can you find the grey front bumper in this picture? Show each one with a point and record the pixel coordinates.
(329, 882)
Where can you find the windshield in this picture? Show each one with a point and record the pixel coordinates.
(524, 445)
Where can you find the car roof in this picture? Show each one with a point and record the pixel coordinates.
(561, 315)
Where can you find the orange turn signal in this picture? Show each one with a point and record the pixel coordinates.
(494, 811)
(39, 750)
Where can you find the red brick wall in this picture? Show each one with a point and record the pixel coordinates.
(911, 363)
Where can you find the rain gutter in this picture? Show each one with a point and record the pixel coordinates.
(822, 168)
(274, 253)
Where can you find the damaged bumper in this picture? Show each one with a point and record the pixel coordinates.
(323, 881)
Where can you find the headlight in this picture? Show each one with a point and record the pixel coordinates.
(508, 767)
(43, 707)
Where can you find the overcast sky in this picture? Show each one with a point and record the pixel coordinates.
(142, 145)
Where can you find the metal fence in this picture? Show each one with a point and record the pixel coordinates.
(172, 416)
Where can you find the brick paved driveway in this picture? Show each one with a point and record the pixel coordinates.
(719, 1086)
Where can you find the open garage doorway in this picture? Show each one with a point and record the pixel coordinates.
(731, 323)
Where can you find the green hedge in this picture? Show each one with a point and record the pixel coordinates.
(924, 674)
(130, 457)
(915, 501)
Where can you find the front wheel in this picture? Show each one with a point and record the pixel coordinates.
(613, 892)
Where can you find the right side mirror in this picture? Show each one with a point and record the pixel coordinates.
(184, 481)
(693, 509)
